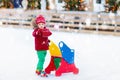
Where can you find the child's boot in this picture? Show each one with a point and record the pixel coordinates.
(43, 74)
(37, 72)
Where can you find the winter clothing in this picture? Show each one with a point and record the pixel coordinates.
(41, 44)
(41, 38)
(37, 72)
(41, 59)
(41, 73)
(17, 3)
(40, 19)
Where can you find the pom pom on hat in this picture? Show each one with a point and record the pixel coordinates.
(40, 19)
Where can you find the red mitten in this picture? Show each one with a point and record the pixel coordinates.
(46, 32)
(38, 32)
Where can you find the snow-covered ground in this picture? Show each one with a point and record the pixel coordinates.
(96, 56)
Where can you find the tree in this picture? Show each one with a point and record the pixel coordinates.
(6, 4)
(74, 5)
(34, 4)
(114, 5)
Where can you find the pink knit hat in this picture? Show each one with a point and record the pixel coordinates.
(40, 19)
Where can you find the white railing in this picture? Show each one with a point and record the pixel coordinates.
(103, 23)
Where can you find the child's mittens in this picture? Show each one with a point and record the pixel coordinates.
(38, 32)
(46, 32)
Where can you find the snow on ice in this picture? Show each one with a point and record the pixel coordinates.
(96, 56)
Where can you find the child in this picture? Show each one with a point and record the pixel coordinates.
(41, 34)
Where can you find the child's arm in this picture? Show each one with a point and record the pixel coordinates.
(46, 32)
(36, 33)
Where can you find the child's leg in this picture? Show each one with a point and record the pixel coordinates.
(57, 62)
(41, 59)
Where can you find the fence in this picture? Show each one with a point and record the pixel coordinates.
(100, 23)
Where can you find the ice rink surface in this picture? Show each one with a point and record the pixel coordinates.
(96, 56)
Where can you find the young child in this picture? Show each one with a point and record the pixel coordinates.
(41, 34)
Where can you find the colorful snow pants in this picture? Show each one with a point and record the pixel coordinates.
(41, 59)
